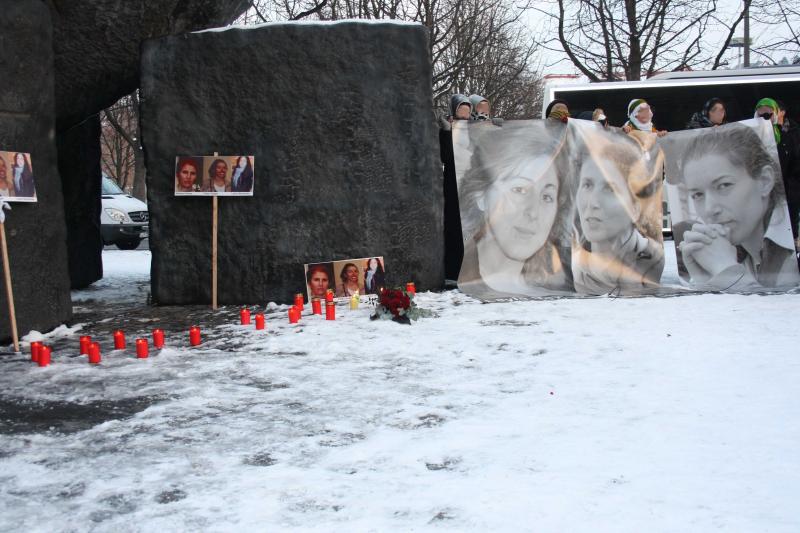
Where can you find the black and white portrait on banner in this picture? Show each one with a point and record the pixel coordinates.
(729, 213)
(617, 243)
(516, 208)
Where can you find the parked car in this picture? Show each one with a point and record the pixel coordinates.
(123, 218)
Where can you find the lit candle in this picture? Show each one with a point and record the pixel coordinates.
(410, 288)
(158, 338)
(260, 321)
(44, 356)
(294, 315)
(85, 341)
(119, 340)
(354, 301)
(142, 350)
(298, 301)
(316, 306)
(94, 353)
(329, 295)
(36, 346)
(244, 317)
(194, 336)
(330, 311)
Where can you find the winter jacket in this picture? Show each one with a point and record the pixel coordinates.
(698, 120)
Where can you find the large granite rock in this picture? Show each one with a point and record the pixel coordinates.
(35, 231)
(97, 46)
(340, 120)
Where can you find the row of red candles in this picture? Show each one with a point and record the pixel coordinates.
(41, 353)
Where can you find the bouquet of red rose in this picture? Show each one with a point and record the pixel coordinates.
(398, 305)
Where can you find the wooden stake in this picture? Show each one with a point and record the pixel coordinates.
(214, 253)
(9, 290)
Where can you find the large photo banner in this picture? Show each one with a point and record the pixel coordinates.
(558, 209)
(549, 208)
(730, 219)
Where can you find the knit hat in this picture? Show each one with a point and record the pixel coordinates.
(633, 109)
(769, 102)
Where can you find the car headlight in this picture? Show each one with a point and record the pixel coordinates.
(116, 215)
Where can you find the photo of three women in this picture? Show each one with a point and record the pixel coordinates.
(214, 175)
(346, 277)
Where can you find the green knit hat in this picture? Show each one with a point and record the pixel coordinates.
(769, 102)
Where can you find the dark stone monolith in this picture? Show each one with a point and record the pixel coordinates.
(340, 120)
(35, 231)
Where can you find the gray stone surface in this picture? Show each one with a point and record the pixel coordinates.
(79, 166)
(97, 46)
(340, 120)
(35, 232)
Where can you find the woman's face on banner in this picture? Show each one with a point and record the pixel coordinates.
(187, 175)
(373, 264)
(242, 162)
(726, 194)
(220, 170)
(521, 207)
(20, 160)
(605, 205)
(351, 273)
(319, 283)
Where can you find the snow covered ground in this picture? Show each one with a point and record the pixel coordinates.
(641, 414)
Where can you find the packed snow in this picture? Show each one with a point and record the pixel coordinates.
(602, 414)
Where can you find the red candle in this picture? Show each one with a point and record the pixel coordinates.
(119, 340)
(259, 321)
(294, 315)
(410, 288)
(36, 346)
(158, 338)
(299, 301)
(329, 295)
(142, 350)
(44, 355)
(94, 353)
(194, 335)
(85, 341)
(330, 311)
(316, 306)
(244, 317)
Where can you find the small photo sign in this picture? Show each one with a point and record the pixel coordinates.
(16, 177)
(214, 175)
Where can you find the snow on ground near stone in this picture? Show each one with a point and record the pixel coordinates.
(642, 414)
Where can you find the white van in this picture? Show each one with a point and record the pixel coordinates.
(123, 218)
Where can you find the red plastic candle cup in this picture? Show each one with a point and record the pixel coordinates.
(94, 353)
(299, 301)
(36, 347)
(119, 340)
(330, 311)
(410, 288)
(259, 321)
(44, 355)
(194, 336)
(294, 315)
(142, 349)
(85, 341)
(158, 338)
(329, 295)
(244, 317)
(316, 306)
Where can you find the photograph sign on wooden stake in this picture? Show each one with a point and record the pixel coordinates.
(16, 177)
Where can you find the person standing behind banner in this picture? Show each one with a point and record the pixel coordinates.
(516, 209)
(242, 178)
(186, 174)
(712, 114)
(640, 118)
(22, 176)
(557, 110)
(787, 138)
(615, 241)
(374, 276)
(6, 183)
(460, 109)
(218, 177)
(480, 107)
(740, 240)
